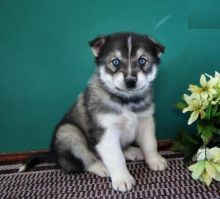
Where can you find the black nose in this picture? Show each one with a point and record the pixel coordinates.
(130, 81)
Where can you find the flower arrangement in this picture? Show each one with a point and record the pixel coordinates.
(207, 166)
(203, 103)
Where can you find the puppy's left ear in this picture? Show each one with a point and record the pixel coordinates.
(97, 44)
(159, 47)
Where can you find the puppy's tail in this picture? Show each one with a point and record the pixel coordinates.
(36, 159)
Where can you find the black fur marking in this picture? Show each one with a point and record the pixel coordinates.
(133, 102)
(37, 159)
(95, 132)
(72, 163)
(116, 41)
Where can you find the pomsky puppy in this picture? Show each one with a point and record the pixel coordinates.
(115, 110)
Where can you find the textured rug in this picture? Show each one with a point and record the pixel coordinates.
(47, 181)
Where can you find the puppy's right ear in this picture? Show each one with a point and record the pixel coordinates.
(97, 44)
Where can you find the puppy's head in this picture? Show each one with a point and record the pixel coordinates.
(127, 62)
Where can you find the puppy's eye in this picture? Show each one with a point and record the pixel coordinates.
(142, 61)
(116, 62)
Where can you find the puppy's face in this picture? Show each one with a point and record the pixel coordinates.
(127, 62)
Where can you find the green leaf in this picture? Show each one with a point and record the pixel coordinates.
(188, 144)
(183, 98)
(214, 110)
(177, 147)
(189, 156)
(200, 128)
(217, 131)
(181, 105)
(208, 112)
(189, 137)
(207, 128)
(212, 128)
(206, 136)
(217, 114)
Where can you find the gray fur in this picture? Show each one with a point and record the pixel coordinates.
(95, 99)
(76, 136)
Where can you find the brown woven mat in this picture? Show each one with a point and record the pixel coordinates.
(47, 181)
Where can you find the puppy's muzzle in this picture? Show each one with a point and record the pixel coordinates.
(130, 82)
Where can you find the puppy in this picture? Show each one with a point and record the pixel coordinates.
(115, 110)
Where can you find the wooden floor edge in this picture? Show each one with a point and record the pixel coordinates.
(18, 156)
(21, 156)
(164, 145)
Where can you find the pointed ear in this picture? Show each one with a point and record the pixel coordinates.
(160, 48)
(97, 44)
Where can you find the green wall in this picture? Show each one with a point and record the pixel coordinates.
(45, 61)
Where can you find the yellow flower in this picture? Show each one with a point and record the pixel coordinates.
(214, 154)
(206, 170)
(217, 74)
(197, 169)
(217, 167)
(211, 170)
(206, 178)
(215, 101)
(195, 89)
(196, 105)
(217, 79)
(206, 90)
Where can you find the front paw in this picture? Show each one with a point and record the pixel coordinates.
(123, 182)
(157, 163)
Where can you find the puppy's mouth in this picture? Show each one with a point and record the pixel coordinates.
(130, 90)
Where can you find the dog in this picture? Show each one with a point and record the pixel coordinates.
(115, 110)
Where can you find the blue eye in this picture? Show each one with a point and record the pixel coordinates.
(142, 61)
(116, 62)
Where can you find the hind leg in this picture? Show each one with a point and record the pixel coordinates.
(98, 168)
(73, 153)
(71, 147)
(69, 163)
(133, 153)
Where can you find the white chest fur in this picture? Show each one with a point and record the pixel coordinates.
(124, 125)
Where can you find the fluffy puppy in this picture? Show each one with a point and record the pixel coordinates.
(115, 110)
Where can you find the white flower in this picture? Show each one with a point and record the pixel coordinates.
(201, 154)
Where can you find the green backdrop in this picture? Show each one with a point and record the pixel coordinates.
(45, 61)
